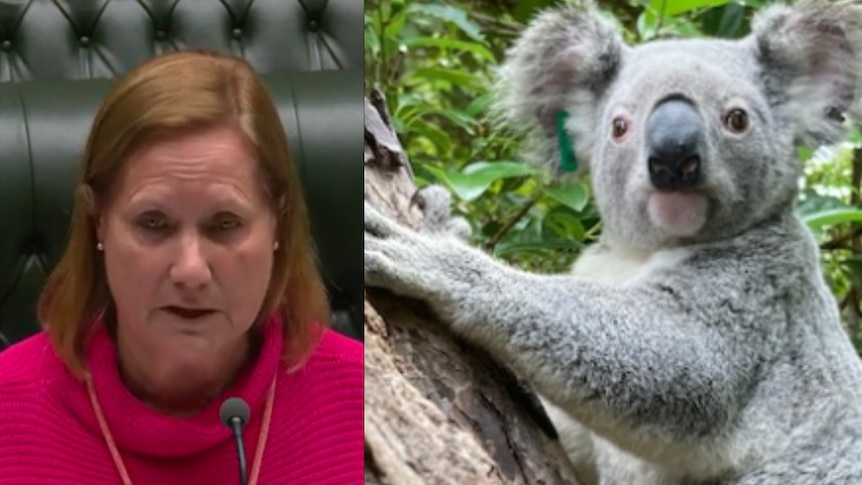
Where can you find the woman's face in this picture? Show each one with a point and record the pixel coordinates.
(188, 240)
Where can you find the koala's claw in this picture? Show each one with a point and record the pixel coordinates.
(389, 247)
(435, 202)
(378, 224)
(376, 265)
(460, 228)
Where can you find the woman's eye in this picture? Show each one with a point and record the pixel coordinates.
(224, 225)
(152, 223)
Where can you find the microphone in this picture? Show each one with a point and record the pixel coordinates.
(234, 414)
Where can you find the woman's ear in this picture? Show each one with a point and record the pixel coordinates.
(87, 200)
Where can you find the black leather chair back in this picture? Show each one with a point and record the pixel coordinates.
(83, 39)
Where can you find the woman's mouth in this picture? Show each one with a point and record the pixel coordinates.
(189, 313)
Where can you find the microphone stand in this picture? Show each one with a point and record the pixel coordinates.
(234, 414)
(236, 426)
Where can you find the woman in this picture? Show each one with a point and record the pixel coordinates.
(189, 278)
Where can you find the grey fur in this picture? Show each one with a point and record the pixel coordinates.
(434, 201)
(710, 357)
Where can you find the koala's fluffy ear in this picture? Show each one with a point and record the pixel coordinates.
(811, 55)
(564, 59)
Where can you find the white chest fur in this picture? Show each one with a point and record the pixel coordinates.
(592, 455)
(614, 265)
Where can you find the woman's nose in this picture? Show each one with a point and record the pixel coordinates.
(190, 267)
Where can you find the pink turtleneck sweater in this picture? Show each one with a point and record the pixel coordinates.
(49, 433)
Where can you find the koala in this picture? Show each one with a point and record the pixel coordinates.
(696, 342)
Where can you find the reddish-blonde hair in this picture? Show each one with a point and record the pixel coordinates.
(174, 91)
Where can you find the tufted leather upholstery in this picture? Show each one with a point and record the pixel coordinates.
(55, 58)
(74, 39)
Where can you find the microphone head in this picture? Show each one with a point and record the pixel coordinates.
(234, 407)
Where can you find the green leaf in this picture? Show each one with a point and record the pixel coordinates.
(647, 25)
(372, 42)
(804, 153)
(853, 265)
(457, 118)
(524, 9)
(421, 76)
(439, 138)
(565, 225)
(682, 26)
(677, 7)
(813, 203)
(474, 48)
(451, 14)
(423, 113)
(573, 195)
(753, 3)
(832, 216)
(500, 169)
(475, 179)
(478, 105)
(732, 24)
(395, 25)
(505, 249)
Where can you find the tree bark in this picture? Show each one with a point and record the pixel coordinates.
(438, 410)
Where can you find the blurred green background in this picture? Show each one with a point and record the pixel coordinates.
(435, 63)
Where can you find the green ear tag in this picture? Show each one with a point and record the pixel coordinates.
(568, 160)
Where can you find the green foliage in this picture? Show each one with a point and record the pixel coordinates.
(435, 63)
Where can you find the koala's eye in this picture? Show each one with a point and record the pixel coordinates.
(736, 121)
(620, 127)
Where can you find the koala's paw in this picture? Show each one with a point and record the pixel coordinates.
(398, 258)
(433, 267)
(435, 203)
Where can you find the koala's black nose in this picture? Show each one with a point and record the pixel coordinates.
(673, 132)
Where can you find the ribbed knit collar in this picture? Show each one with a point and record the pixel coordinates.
(140, 429)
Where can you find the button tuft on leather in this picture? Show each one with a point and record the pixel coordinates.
(312, 25)
(85, 41)
(237, 33)
(6, 45)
